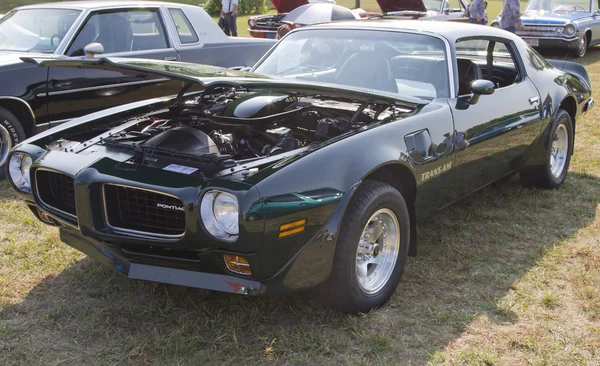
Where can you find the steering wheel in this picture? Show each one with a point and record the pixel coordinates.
(55, 36)
(575, 7)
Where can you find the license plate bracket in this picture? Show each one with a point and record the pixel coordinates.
(532, 42)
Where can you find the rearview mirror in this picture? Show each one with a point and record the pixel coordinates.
(93, 49)
(481, 87)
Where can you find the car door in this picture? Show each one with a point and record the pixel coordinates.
(492, 135)
(137, 33)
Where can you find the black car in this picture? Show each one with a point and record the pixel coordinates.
(34, 99)
(310, 172)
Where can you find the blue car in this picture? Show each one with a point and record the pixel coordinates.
(569, 24)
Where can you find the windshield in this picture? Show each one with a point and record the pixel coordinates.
(35, 30)
(408, 64)
(558, 6)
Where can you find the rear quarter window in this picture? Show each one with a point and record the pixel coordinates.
(185, 30)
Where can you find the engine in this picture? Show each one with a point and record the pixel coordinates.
(226, 124)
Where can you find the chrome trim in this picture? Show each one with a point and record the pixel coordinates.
(260, 31)
(26, 106)
(91, 88)
(143, 234)
(525, 38)
(37, 195)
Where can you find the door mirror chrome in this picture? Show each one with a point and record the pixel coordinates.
(93, 49)
(481, 87)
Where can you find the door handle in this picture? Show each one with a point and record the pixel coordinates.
(534, 100)
(170, 58)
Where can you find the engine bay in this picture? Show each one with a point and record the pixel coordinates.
(226, 125)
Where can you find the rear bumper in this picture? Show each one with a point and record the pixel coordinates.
(112, 257)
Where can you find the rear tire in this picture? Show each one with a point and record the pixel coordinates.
(371, 250)
(11, 133)
(558, 156)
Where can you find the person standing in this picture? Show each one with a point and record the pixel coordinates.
(229, 15)
(511, 16)
(477, 12)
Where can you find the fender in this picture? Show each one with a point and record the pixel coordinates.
(24, 104)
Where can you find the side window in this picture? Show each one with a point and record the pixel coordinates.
(121, 31)
(472, 61)
(454, 5)
(184, 27)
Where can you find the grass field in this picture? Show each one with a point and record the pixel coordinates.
(508, 276)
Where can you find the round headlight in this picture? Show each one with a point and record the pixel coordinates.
(559, 30)
(251, 22)
(495, 24)
(570, 29)
(18, 170)
(219, 212)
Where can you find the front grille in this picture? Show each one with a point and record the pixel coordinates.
(56, 190)
(540, 31)
(143, 211)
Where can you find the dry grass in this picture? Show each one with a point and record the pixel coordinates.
(508, 276)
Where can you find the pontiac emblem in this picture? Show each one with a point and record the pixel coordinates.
(170, 207)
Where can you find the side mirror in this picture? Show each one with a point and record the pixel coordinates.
(93, 49)
(481, 87)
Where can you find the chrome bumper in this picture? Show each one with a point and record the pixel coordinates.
(588, 105)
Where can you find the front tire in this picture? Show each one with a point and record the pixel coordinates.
(581, 49)
(11, 133)
(558, 155)
(371, 250)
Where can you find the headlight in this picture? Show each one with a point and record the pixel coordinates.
(251, 22)
(570, 29)
(559, 30)
(220, 212)
(18, 169)
(495, 24)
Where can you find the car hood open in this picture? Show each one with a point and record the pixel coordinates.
(204, 75)
(388, 6)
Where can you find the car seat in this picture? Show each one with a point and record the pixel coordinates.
(468, 71)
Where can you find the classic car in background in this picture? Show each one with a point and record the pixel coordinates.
(445, 10)
(572, 25)
(265, 26)
(34, 99)
(216, 188)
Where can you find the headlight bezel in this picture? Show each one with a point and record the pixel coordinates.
(216, 225)
(22, 182)
(570, 30)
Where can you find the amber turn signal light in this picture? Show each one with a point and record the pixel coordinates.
(292, 228)
(237, 264)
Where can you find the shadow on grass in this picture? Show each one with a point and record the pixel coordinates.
(470, 255)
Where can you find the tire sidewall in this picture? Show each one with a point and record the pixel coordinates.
(391, 200)
(15, 130)
(562, 118)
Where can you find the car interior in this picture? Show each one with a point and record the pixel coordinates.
(483, 59)
(122, 31)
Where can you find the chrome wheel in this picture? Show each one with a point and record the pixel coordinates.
(5, 144)
(378, 251)
(559, 150)
(582, 47)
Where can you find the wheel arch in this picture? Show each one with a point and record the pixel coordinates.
(402, 178)
(22, 111)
